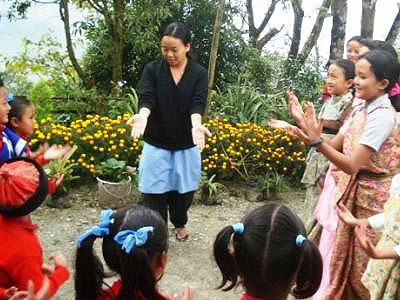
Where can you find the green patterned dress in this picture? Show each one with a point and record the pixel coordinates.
(382, 276)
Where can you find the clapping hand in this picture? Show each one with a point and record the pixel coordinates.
(54, 152)
(188, 293)
(289, 128)
(295, 109)
(199, 133)
(139, 123)
(42, 294)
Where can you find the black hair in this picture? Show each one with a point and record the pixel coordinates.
(266, 256)
(1, 82)
(134, 269)
(385, 66)
(348, 67)
(179, 31)
(17, 108)
(382, 45)
(368, 43)
(355, 38)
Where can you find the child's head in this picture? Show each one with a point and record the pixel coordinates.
(23, 187)
(340, 77)
(135, 243)
(270, 253)
(376, 73)
(353, 48)
(4, 106)
(21, 117)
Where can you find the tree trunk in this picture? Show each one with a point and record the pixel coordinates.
(367, 18)
(118, 8)
(315, 32)
(298, 22)
(394, 29)
(214, 52)
(339, 14)
(64, 13)
(255, 32)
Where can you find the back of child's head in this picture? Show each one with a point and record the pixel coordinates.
(23, 187)
(18, 106)
(132, 240)
(382, 45)
(269, 252)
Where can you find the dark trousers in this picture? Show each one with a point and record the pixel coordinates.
(177, 205)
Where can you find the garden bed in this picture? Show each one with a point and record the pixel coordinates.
(190, 261)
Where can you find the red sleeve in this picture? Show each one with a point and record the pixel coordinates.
(2, 291)
(41, 161)
(51, 186)
(325, 94)
(31, 269)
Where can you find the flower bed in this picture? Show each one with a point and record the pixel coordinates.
(242, 149)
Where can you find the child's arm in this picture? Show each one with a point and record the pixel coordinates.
(372, 250)
(30, 269)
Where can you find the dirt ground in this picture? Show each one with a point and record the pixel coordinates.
(189, 261)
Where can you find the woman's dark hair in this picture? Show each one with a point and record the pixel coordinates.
(266, 256)
(348, 67)
(355, 38)
(18, 106)
(134, 269)
(385, 66)
(382, 45)
(179, 31)
(368, 43)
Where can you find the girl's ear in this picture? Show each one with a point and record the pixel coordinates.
(160, 263)
(349, 83)
(187, 47)
(14, 122)
(382, 84)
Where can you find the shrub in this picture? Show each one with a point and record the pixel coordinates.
(243, 150)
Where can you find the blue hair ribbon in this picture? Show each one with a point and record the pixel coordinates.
(101, 229)
(10, 98)
(300, 240)
(130, 239)
(238, 228)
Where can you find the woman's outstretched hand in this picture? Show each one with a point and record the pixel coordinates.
(139, 123)
(199, 133)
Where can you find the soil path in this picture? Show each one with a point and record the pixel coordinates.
(189, 261)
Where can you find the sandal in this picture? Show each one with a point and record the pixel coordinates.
(179, 237)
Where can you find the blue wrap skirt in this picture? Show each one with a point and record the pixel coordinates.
(162, 170)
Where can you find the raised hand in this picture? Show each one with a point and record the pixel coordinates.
(290, 129)
(42, 294)
(295, 109)
(139, 122)
(188, 293)
(59, 259)
(199, 133)
(54, 152)
(313, 127)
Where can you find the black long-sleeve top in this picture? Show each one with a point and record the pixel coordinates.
(171, 105)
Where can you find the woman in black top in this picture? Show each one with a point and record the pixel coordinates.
(172, 100)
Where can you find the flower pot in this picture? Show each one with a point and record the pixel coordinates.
(114, 194)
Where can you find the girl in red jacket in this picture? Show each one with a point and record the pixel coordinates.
(135, 245)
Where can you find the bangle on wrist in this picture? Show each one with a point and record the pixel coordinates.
(316, 142)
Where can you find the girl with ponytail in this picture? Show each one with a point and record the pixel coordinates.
(268, 253)
(135, 245)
